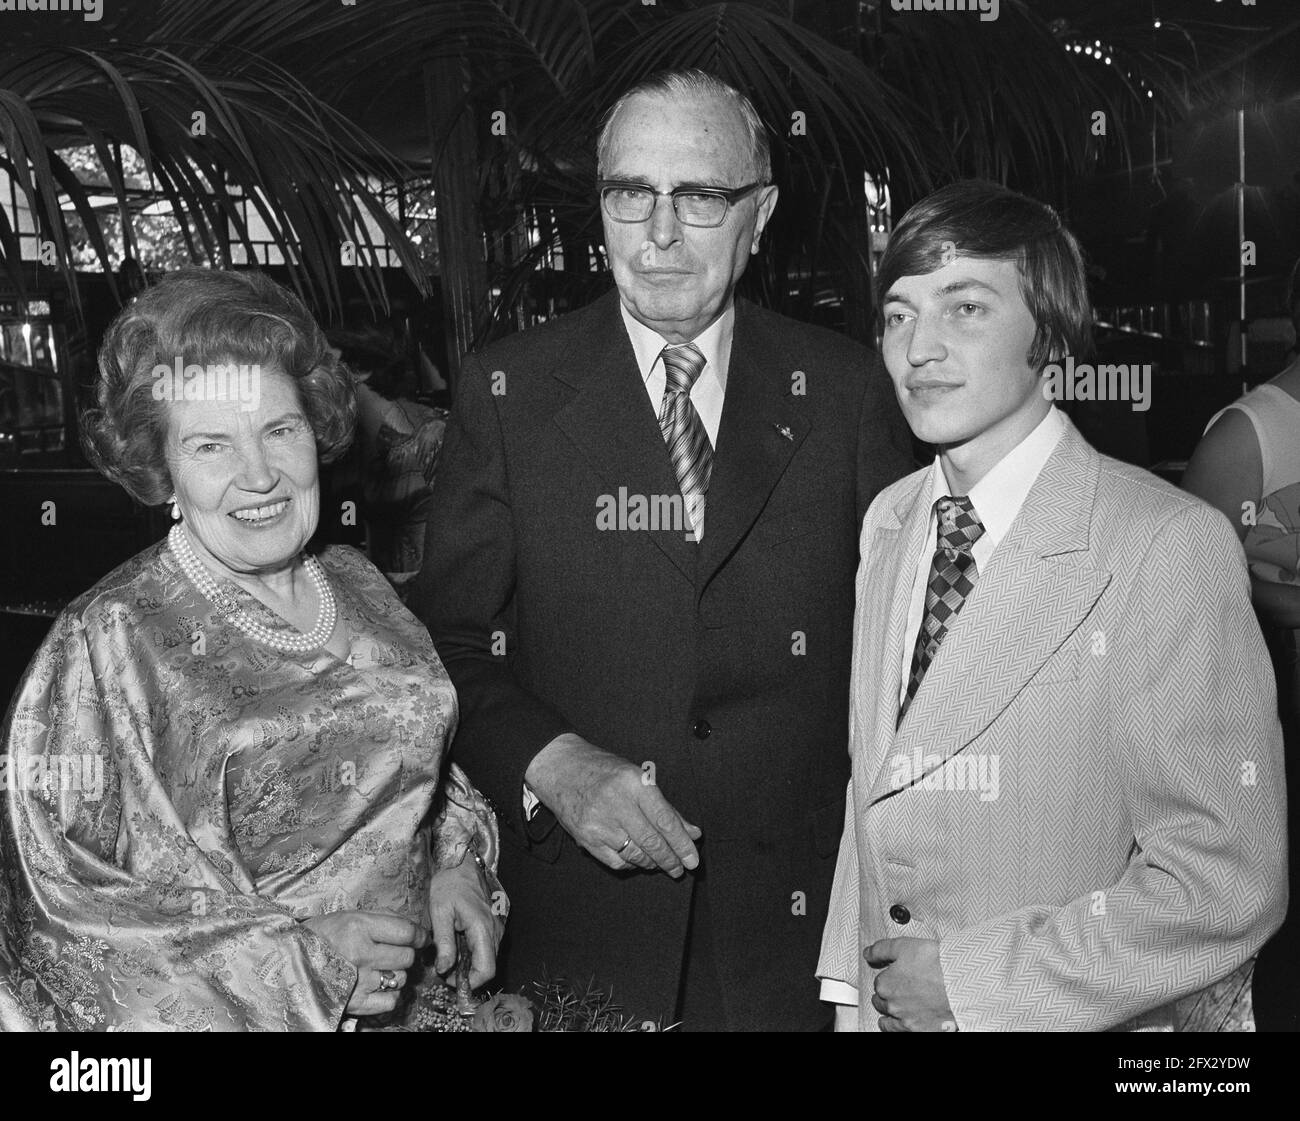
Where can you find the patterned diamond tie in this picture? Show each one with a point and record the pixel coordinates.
(953, 573)
(683, 430)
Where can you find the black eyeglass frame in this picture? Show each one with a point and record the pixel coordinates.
(730, 195)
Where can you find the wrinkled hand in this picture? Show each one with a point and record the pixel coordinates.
(602, 801)
(372, 941)
(459, 900)
(910, 993)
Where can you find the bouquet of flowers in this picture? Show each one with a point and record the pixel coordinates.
(551, 1005)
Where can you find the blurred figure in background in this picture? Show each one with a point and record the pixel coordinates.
(398, 440)
(1248, 465)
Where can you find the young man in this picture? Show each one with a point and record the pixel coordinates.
(1067, 807)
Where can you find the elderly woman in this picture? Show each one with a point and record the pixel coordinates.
(226, 809)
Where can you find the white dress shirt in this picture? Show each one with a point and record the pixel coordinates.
(710, 387)
(997, 499)
(706, 395)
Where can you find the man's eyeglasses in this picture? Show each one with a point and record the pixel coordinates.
(694, 206)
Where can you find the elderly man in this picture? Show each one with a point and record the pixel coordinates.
(1067, 807)
(640, 578)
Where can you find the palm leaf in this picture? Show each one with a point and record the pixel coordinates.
(299, 163)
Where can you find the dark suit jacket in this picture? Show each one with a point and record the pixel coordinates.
(724, 664)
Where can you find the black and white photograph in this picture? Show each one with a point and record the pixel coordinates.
(658, 516)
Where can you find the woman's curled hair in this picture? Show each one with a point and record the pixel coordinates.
(206, 317)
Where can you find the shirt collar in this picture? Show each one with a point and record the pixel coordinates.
(998, 496)
(714, 343)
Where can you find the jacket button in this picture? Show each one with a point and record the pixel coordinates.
(900, 914)
(702, 730)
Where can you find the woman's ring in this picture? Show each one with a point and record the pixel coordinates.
(624, 844)
(387, 980)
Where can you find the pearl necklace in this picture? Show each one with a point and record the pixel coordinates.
(179, 543)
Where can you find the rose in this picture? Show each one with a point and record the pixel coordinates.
(504, 1012)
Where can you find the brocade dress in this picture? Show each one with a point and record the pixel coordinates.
(181, 796)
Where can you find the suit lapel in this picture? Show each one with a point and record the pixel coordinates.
(1041, 582)
(886, 594)
(760, 432)
(613, 424)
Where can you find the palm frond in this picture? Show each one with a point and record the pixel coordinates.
(301, 165)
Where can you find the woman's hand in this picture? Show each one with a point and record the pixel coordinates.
(458, 900)
(372, 941)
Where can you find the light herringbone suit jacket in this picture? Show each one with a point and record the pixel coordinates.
(1109, 672)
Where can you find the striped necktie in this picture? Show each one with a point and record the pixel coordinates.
(683, 431)
(953, 573)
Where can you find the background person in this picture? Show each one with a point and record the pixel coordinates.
(398, 441)
(1248, 465)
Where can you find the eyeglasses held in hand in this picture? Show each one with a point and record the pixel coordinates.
(694, 206)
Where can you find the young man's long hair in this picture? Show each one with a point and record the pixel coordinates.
(976, 218)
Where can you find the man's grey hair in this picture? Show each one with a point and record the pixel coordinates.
(694, 83)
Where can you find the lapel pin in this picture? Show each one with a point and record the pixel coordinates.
(781, 428)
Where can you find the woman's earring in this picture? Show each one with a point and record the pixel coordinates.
(176, 509)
